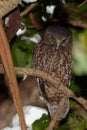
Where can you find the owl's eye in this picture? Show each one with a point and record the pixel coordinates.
(52, 39)
(48, 36)
(64, 40)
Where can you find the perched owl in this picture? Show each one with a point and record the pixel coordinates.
(53, 56)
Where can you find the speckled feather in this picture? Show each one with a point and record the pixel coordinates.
(53, 55)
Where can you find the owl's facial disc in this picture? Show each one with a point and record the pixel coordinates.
(57, 40)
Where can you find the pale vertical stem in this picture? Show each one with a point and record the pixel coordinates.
(10, 73)
(57, 114)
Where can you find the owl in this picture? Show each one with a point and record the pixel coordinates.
(53, 56)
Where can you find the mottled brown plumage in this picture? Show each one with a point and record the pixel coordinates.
(53, 55)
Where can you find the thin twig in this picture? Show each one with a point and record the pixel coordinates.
(76, 22)
(82, 3)
(57, 114)
(55, 82)
(36, 24)
(28, 9)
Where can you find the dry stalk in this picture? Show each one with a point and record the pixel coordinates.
(10, 73)
(7, 5)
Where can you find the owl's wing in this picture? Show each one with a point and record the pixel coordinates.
(52, 99)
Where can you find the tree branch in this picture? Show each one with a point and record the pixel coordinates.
(57, 114)
(28, 9)
(44, 76)
(84, 2)
(57, 85)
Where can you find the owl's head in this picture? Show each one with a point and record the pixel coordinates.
(56, 34)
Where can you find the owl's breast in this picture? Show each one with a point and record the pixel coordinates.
(56, 61)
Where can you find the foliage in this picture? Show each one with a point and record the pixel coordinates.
(80, 52)
(75, 120)
(22, 53)
(42, 123)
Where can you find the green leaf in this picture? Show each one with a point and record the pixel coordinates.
(80, 53)
(22, 53)
(42, 123)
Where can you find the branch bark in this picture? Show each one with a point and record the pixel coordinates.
(84, 2)
(44, 76)
(28, 9)
(55, 82)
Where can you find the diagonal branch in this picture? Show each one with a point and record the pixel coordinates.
(28, 9)
(84, 2)
(56, 82)
(10, 73)
(44, 76)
